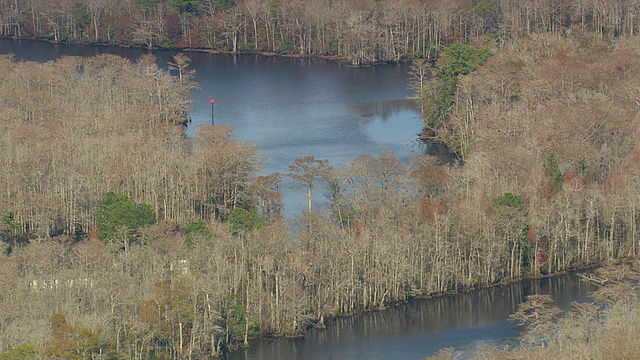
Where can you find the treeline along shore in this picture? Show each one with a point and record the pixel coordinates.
(362, 31)
(124, 238)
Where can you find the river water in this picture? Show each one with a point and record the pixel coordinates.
(292, 108)
(422, 328)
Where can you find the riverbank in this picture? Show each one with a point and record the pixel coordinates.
(605, 327)
(420, 328)
(332, 58)
(330, 319)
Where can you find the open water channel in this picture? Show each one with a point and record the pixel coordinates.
(292, 108)
(419, 329)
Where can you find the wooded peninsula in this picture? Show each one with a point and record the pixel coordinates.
(122, 237)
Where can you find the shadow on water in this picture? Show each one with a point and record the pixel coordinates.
(384, 110)
(421, 328)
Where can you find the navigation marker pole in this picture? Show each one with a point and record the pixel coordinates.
(213, 102)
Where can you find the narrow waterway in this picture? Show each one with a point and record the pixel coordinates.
(419, 329)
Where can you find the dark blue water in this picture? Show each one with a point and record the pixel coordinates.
(419, 329)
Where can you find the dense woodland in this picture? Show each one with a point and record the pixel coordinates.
(123, 238)
(364, 31)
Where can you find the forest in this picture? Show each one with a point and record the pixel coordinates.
(122, 237)
(362, 31)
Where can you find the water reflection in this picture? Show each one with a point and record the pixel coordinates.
(384, 110)
(419, 329)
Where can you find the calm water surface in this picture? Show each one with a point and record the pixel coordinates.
(420, 329)
(290, 108)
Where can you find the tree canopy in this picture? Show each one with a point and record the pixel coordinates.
(457, 60)
(119, 217)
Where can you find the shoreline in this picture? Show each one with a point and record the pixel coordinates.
(330, 319)
(333, 58)
(333, 320)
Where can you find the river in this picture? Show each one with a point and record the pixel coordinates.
(291, 108)
(419, 329)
